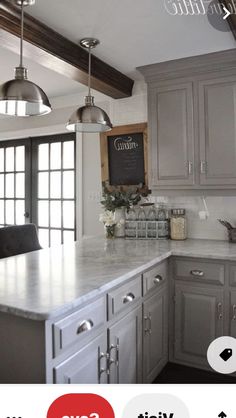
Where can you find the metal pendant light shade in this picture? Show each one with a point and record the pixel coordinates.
(89, 118)
(21, 97)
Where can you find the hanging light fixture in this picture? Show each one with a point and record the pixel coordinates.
(89, 118)
(21, 97)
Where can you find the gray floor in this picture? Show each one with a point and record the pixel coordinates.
(174, 373)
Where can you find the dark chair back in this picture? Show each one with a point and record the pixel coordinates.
(18, 239)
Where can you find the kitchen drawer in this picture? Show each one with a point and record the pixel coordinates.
(155, 277)
(123, 297)
(199, 271)
(75, 327)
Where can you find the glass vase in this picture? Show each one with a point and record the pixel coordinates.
(110, 231)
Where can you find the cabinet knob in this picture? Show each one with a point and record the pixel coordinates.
(85, 325)
(128, 298)
(158, 279)
(197, 273)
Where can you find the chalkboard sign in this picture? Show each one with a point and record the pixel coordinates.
(124, 155)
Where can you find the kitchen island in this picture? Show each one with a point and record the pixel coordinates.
(48, 297)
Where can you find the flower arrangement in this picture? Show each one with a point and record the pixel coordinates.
(108, 219)
(121, 197)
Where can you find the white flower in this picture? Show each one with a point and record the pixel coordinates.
(108, 218)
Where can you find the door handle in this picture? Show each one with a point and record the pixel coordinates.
(111, 360)
(190, 167)
(148, 330)
(234, 312)
(219, 309)
(203, 167)
(101, 370)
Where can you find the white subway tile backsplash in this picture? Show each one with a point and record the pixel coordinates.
(218, 207)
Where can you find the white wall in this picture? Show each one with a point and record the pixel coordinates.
(210, 228)
(121, 112)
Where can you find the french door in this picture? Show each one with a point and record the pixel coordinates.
(37, 184)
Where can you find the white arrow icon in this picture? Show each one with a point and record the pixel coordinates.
(227, 13)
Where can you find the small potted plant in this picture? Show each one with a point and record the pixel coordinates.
(108, 219)
(120, 199)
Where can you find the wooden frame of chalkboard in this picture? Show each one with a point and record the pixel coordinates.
(124, 156)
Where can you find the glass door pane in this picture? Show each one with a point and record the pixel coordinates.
(14, 188)
(53, 200)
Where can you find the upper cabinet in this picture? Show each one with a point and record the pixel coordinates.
(171, 124)
(192, 122)
(217, 131)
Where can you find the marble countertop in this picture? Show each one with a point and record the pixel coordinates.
(46, 283)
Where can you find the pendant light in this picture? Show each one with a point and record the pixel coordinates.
(89, 118)
(21, 97)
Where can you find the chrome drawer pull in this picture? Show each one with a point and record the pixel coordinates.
(146, 329)
(128, 298)
(102, 370)
(157, 279)
(86, 325)
(219, 308)
(234, 312)
(197, 273)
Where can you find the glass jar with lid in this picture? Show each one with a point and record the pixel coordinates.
(178, 224)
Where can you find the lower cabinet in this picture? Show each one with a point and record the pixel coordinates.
(199, 319)
(232, 313)
(88, 349)
(125, 348)
(155, 334)
(87, 365)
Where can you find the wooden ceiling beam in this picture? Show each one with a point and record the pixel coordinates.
(52, 50)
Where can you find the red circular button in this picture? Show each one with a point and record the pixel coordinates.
(80, 405)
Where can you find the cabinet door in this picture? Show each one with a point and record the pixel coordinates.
(198, 321)
(125, 347)
(232, 313)
(86, 365)
(171, 128)
(155, 334)
(217, 110)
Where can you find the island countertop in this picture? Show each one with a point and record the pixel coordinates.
(44, 284)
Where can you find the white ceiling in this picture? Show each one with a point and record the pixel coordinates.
(132, 33)
(51, 82)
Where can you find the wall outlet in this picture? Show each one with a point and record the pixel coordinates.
(203, 215)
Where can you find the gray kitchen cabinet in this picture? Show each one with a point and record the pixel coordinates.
(125, 348)
(232, 313)
(155, 334)
(172, 137)
(217, 110)
(199, 319)
(87, 365)
(191, 118)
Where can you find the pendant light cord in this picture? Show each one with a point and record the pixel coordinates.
(89, 73)
(22, 34)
